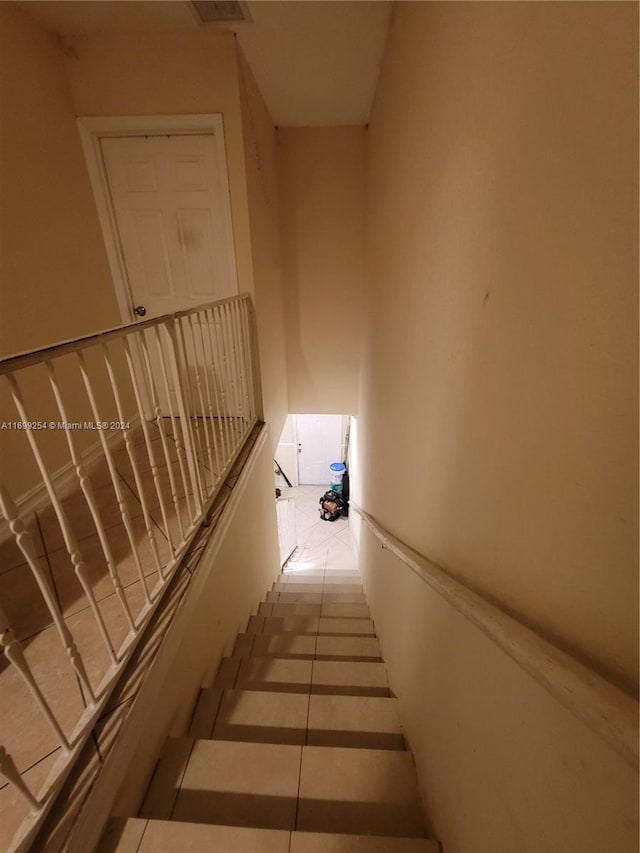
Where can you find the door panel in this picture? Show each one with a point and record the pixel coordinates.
(150, 256)
(172, 223)
(195, 226)
(175, 235)
(319, 444)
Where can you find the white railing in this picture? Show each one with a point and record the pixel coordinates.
(287, 535)
(604, 708)
(130, 433)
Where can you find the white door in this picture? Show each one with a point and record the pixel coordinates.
(319, 444)
(169, 199)
(172, 214)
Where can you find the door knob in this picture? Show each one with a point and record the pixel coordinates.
(140, 310)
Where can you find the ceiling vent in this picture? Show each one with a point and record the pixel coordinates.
(220, 11)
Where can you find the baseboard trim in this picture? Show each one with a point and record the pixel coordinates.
(37, 497)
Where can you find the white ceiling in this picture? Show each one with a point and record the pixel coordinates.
(316, 61)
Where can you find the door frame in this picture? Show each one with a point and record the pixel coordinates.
(94, 128)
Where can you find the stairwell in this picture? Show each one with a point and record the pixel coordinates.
(296, 748)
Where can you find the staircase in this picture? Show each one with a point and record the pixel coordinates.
(297, 748)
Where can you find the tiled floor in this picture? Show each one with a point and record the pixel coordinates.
(298, 747)
(136, 555)
(321, 544)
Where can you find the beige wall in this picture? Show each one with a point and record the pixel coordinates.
(55, 280)
(503, 270)
(261, 165)
(499, 418)
(55, 277)
(503, 766)
(322, 192)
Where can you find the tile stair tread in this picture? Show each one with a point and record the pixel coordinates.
(291, 587)
(269, 608)
(305, 646)
(323, 598)
(308, 624)
(361, 791)
(311, 577)
(344, 588)
(346, 625)
(317, 607)
(344, 676)
(279, 645)
(264, 716)
(321, 586)
(303, 573)
(316, 573)
(347, 646)
(290, 621)
(342, 597)
(274, 597)
(261, 716)
(139, 835)
(326, 842)
(277, 786)
(283, 624)
(239, 783)
(341, 576)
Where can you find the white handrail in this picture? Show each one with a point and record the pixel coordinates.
(608, 711)
(159, 374)
(37, 356)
